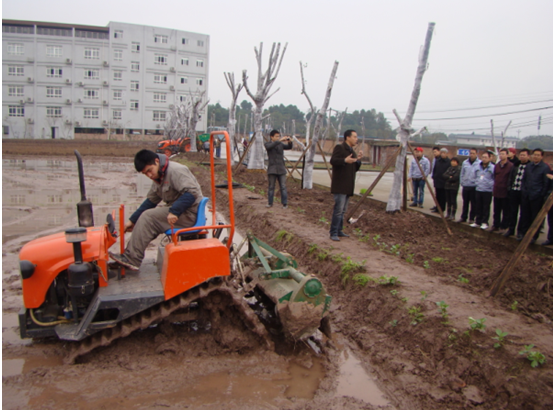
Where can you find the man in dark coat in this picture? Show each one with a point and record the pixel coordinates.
(515, 193)
(277, 169)
(535, 184)
(440, 167)
(501, 174)
(344, 167)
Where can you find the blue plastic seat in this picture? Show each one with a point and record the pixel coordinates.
(201, 220)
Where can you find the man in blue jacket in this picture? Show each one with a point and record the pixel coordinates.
(277, 168)
(344, 167)
(468, 182)
(417, 177)
(484, 188)
(172, 183)
(534, 188)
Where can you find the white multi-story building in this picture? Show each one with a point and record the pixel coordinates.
(61, 79)
(469, 140)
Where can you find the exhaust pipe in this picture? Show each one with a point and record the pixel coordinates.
(84, 207)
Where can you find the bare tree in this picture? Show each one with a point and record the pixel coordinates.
(310, 157)
(340, 116)
(196, 107)
(265, 81)
(178, 122)
(235, 90)
(394, 200)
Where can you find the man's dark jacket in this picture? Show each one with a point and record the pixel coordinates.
(452, 177)
(275, 152)
(440, 167)
(501, 179)
(534, 180)
(343, 174)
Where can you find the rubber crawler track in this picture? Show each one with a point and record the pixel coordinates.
(149, 316)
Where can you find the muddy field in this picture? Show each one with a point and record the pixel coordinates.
(391, 346)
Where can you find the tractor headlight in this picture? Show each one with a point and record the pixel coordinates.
(27, 269)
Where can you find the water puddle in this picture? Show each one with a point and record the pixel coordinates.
(10, 330)
(15, 367)
(355, 382)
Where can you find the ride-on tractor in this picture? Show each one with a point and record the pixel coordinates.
(72, 292)
(170, 147)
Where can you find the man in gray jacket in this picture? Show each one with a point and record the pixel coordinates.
(172, 183)
(277, 169)
(484, 187)
(468, 182)
(417, 177)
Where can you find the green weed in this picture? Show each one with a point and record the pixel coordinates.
(477, 324)
(394, 292)
(426, 265)
(438, 260)
(284, 235)
(388, 280)
(442, 310)
(361, 279)
(410, 258)
(536, 358)
(404, 300)
(462, 279)
(500, 338)
(393, 323)
(301, 211)
(416, 315)
(514, 306)
(394, 249)
(312, 248)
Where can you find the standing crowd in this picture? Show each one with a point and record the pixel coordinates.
(517, 186)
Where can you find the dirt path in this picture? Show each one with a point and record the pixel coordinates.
(377, 357)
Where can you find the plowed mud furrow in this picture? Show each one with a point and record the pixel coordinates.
(156, 313)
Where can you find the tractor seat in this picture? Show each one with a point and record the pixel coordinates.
(201, 220)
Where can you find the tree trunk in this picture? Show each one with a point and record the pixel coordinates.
(394, 200)
(257, 156)
(310, 156)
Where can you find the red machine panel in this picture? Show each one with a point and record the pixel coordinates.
(189, 263)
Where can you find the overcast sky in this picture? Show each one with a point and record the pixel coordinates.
(483, 53)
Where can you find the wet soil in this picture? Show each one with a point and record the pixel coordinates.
(390, 348)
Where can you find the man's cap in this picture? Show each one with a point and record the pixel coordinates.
(491, 152)
(444, 150)
(512, 150)
(418, 149)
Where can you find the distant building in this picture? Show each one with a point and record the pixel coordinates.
(63, 79)
(474, 140)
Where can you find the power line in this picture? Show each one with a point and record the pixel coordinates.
(485, 107)
(484, 115)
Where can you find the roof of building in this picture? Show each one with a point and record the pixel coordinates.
(479, 136)
(52, 25)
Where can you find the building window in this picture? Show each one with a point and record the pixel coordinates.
(200, 43)
(135, 66)
(135, 47)
(118, 34)
(117, 114)
(91, 94)
(55, 31)
(160, 79)
(134, 85)
(53, 92)
(117, 75)
(15, 49)
(160, 59)
(158, 38)
(118, 55)
(54, 72)
(91, 53)
(91, 74)
(53, 112)
(16, 111)
(159, 115)
(199, 63)
(17, 199)
(91, 113)
(16, 70)
(184, 80)
(184, 41)
(5, 130)
(18, 29)
(199, 81)
(117, 94)
(102, 35)
(16, 91)
(160, 98)
(53, 199)
(182, 98)
(184, 61)
(54, 51)
(134, 105)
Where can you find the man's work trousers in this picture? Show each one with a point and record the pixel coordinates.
(483, 202)
(469, 195)
(150, 224)
(340, 207)
(282, 184)
(514, 205)
(441, 197)
(418, 191)
(501, 213)
(451, 200)
(529, 209)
